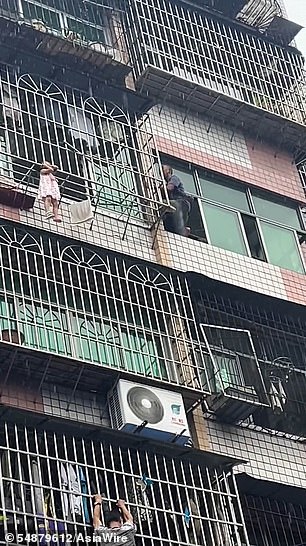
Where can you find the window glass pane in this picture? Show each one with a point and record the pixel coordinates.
(283, 214)
(45, 328)
(48, 17)
(224, 229)
(253, 237)
(195, 222)
(186, 178)
(225, 194)
(7, 316)
(142, 354)
(85, 32)
(115, 189)
(229, 372)
(97, 341)
(282, 247)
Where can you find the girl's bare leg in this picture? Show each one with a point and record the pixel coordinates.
(47, 203)
(55, 211)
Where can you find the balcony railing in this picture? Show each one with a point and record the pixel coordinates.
(256, 348)
(104, 154)
(219, 70)
(92, 32)
(79, 305)
(234, 375)
(186, 501)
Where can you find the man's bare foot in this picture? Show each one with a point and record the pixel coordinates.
(57, 219)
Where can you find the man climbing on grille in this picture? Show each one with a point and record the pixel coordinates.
(176, 221)
(119, 526)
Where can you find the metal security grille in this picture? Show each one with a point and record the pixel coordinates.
(80, 304)
(187, 44)
(89, 22)
(302, 173)
(47, 480)
(280, 346)
(274, 522)
(103, 154)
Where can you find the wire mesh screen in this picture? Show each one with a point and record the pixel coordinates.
(47, 481)
(186, 43)
(78, 303)
(102, 153)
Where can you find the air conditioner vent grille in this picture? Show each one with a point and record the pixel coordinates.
(115, 410)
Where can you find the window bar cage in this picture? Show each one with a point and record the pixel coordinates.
(103, 153)
(274, 521)
(84, 305)
(247, 68)
(279, 343)
(40, 488)
(91, 25)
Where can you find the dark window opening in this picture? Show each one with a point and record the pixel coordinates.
(253, 237)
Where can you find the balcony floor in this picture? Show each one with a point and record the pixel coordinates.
(25, 38)
(44, 368)
(215, 106)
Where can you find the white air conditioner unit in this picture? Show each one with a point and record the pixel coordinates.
(148, 411)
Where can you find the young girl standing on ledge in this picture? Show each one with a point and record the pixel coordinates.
(48, 190)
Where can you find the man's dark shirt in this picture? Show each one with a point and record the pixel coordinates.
(178, 191)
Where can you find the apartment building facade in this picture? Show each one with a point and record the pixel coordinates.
(136, 363)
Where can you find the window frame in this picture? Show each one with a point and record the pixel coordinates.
(200, 198)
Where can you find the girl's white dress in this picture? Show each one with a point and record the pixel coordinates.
(48, 187)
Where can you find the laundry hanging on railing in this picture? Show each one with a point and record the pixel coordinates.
(73, 500)
(81, 212)
(187, 516)
(84, 491)
(278, 395)
(144, 513)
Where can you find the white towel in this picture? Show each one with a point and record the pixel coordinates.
(81, 212)
(275, 398)
(282, 394)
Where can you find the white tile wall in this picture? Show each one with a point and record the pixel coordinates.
(189, 255)
(218, 142)
(177, 252)
(271, 458)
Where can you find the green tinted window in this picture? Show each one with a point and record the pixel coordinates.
(115, 187)
(7, 316)
(224, 229)
(186, 178)
(283, 214)
(224, 194)
(48, 17)
(282, 247)
(45, 328)
(142, 354)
